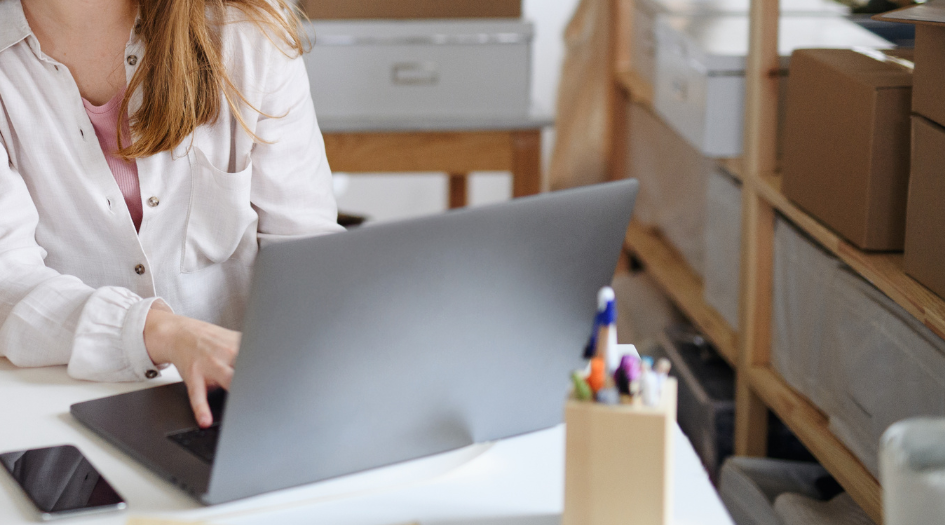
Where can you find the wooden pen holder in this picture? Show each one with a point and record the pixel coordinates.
(619, 462)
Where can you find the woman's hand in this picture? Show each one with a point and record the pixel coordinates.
(202, 352)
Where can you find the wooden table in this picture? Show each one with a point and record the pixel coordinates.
(456, 147)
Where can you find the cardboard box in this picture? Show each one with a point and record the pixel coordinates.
(929, 19)
(846, 143)
(410, 9)
(925, 222)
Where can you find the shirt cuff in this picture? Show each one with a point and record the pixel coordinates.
(132, 338)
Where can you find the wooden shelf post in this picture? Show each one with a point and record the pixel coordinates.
(761, 116)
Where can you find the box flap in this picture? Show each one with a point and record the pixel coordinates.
(931, 13)
(866, 66)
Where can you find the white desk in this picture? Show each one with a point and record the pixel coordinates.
(517, 477)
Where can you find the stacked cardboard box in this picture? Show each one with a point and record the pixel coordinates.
(846, 148)
(925, 216)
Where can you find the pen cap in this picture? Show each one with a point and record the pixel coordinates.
(606, 306)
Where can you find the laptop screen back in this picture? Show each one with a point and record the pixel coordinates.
(406, 339)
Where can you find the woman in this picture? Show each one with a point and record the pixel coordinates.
(139, 174)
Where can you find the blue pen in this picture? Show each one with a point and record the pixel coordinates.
(605, 320)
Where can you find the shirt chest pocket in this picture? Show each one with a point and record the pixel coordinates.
(221, 216)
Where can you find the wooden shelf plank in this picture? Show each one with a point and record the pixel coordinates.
(883, 270)
(811, 426)
(734, 166)
(683, 286)
(639, 90)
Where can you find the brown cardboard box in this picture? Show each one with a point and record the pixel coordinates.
(925, 222)
(846, 148)
(929, 80)
(407, 9)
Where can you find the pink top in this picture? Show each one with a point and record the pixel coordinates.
(105, 121)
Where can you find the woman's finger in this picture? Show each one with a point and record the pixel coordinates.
(220, 374)
(197, 390)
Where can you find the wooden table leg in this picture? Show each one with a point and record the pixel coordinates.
(459, 194)
(526, 163)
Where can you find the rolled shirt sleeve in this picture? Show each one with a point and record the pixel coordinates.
(47, 318)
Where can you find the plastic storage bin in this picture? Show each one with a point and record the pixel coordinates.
(376, 69)
(700, 70)
(803, 276)
(886, 366)
(723, 240)
(645, 13)
(672, 177)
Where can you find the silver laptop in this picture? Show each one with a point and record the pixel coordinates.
(388, 343)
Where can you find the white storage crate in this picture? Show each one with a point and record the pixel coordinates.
(887, 366)
(378, 69)
(672, 179)
(723, 241)
(700, 71)
(645, 12)
(803, 276)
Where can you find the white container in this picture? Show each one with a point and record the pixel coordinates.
(803, 276)
(912, 465)
(700, 71)
(723, 241)
(379, 69)
(887, 366)
(645, 13)
(672, 177)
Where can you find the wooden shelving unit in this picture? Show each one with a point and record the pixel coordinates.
(883, 270)
(683, 286)
(759, 386)
(810, 426)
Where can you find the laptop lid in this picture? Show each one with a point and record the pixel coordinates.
(402, 340)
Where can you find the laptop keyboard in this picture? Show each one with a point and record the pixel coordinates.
(201, 442)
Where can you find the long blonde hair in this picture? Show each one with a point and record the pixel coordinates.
(182, 74)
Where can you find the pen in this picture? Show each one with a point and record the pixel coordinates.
(604, 328)
(582, 391)
(650, 384)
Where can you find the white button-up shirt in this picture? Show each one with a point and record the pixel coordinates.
(76, 279)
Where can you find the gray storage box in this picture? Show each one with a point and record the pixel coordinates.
(887, 366)
(672, 179)
(706, 398)
(803, 276)
(700, 71)
(723, 241)
(379, 69)
(645, 13)
(797, 509)
(749, 486)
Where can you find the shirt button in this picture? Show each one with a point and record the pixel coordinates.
(139, 269)
(132, 60)
(151, 374)
(153, 202)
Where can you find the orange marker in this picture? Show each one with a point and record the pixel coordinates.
(598, 374)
